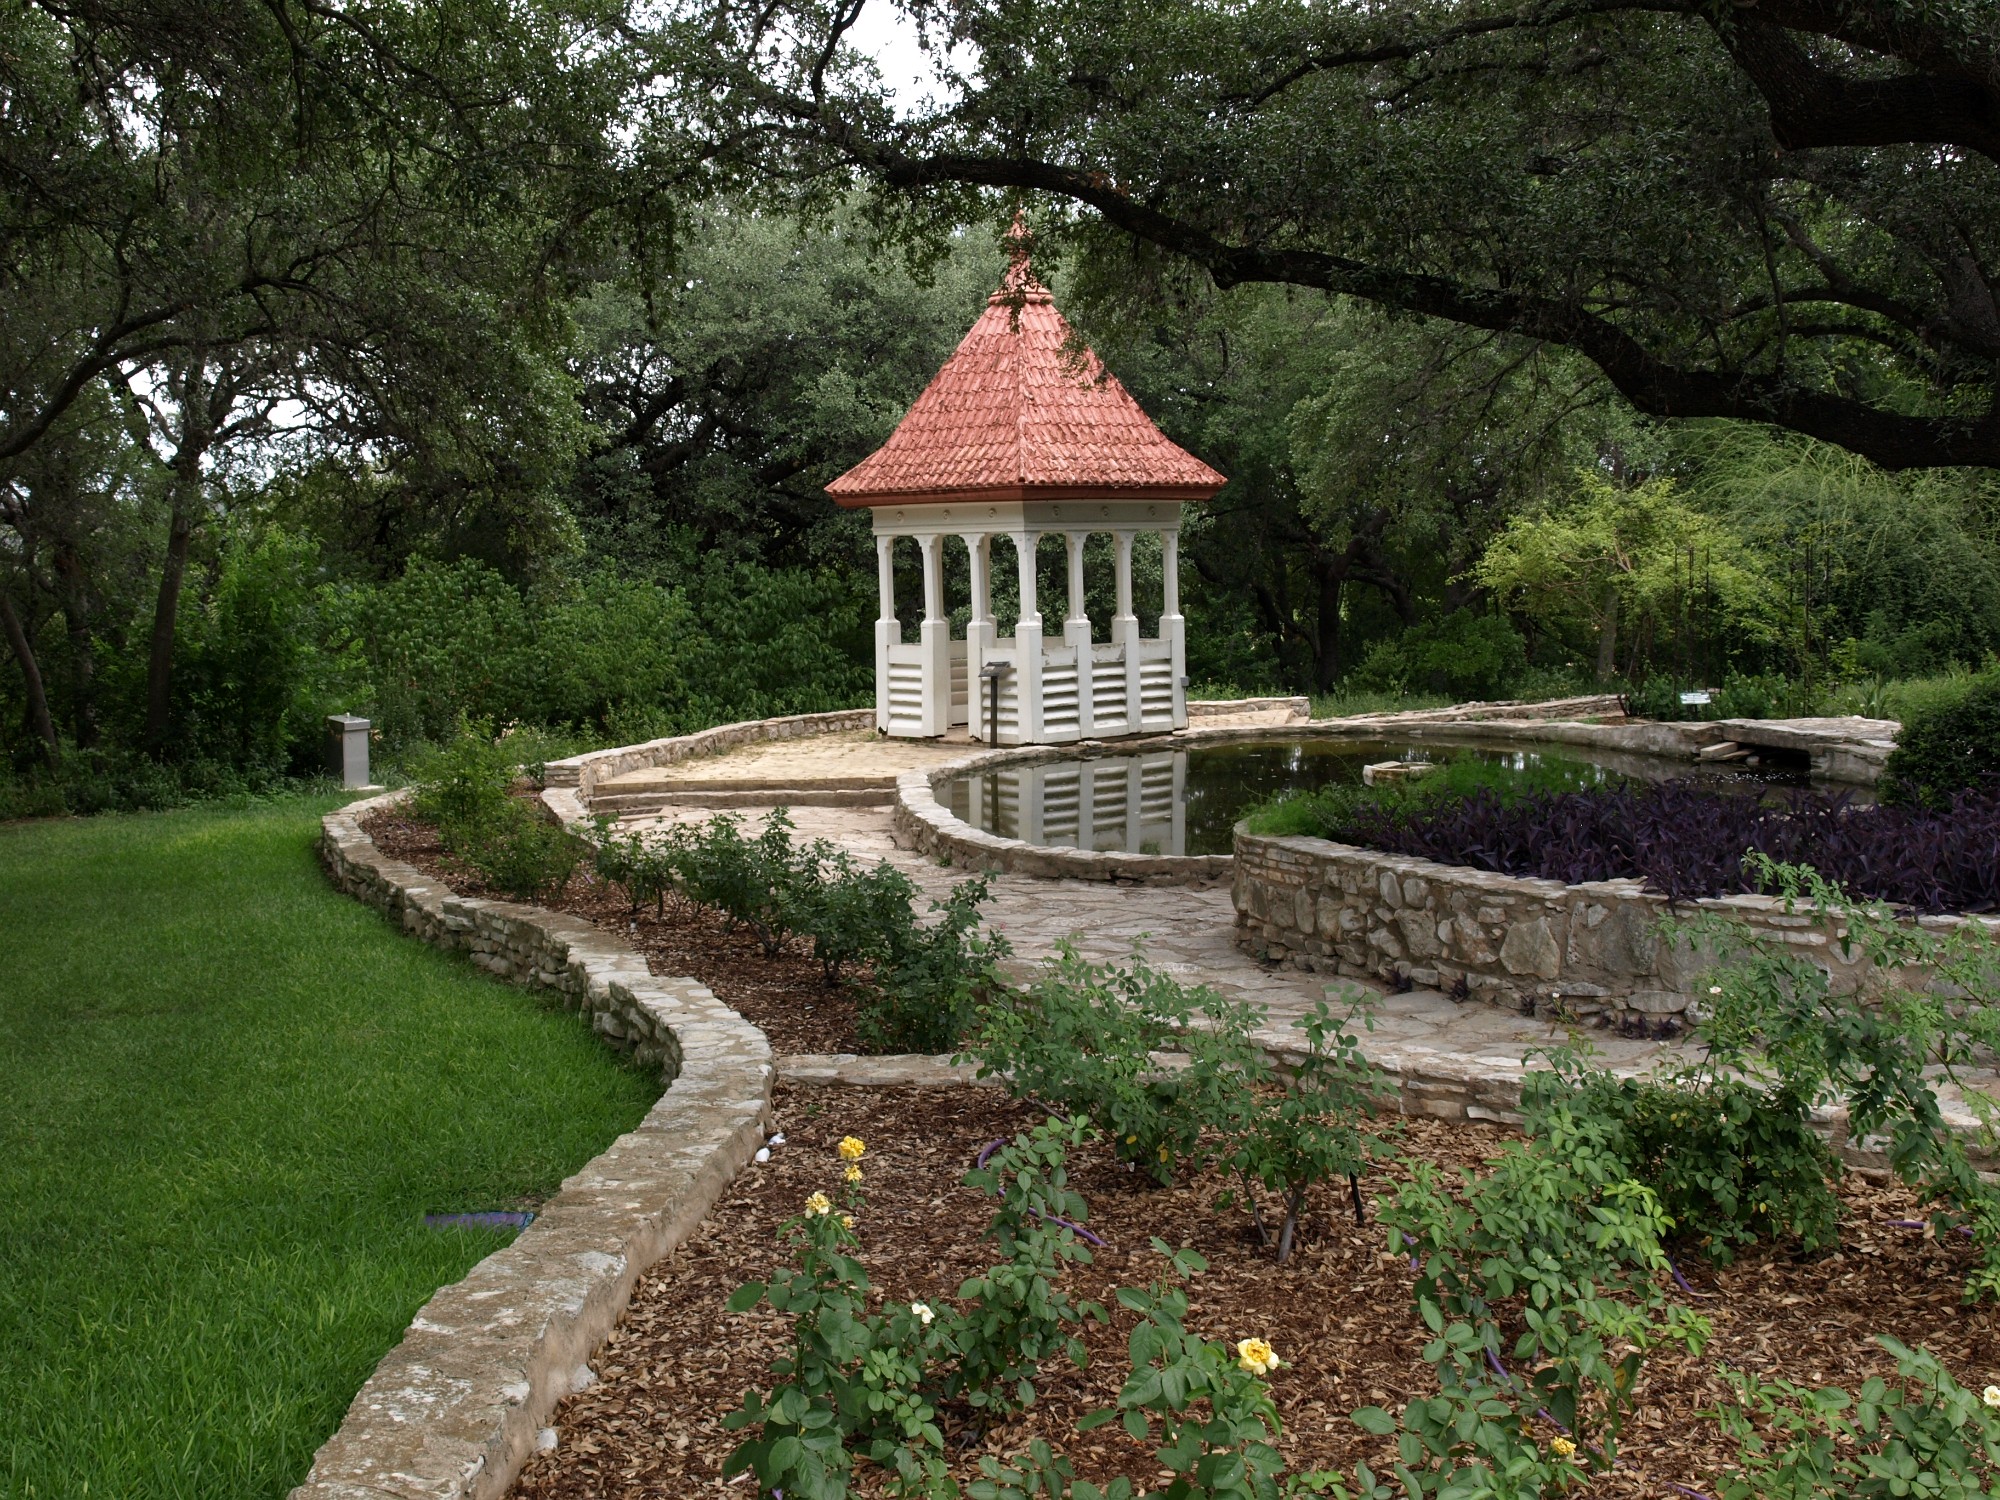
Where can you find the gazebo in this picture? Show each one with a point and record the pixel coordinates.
(1019, 436)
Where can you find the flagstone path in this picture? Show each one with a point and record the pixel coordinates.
(1453, 1059)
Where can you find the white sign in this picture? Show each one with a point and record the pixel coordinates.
(1697, 699)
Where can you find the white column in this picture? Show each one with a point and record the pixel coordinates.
(888, 630)
(1028, 645)
(1125, 629)
(1076, 633)
(936, 638)
(1173, 629)
(979, 634)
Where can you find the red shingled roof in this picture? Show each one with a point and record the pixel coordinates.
(1014, 415)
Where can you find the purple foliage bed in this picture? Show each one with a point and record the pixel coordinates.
(1688, 841)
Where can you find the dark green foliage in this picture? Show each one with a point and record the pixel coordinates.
(1467, 654)
(621, 658)
(1946, 748)
(930, 978)
(1731, 1162)
(466, 788)
(1016, 1314)
(1081, 1040)
(916, 983)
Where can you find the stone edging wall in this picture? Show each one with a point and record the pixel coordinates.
(1596, 948)
(451, 1412)
(583, 772)
(926, 825)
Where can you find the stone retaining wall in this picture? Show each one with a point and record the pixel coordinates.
(452, 1411)
(583, 772)
(927, 826)
(1595, 948)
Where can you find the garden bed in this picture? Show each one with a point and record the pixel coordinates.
(785, 997)
(1682, 839)
(1338, 1314)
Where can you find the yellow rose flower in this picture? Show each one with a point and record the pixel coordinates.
(1563, 1448)
(850, 1148)
(852, 1174)
(847, 1221)
(1256, 1356)
(819, 1204)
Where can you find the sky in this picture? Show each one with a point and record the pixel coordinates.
(885, 34)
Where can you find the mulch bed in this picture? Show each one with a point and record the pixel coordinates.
(785, 996)
(1339, 1313)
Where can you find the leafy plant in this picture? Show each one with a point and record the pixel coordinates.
(929, 979)
(1922, 1434)
(1732, 1159)
(851, 1380)
(1207, 1407)
(1083, 1037)
(1947, 749)
(1549, 1259)
(463, 785)
(1310, 1133)
(1775, 1018)
(1015, 1313)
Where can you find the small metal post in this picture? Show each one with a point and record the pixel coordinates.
(993, 671)
(347, 749)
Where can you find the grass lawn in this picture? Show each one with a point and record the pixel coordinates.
(231, 1094)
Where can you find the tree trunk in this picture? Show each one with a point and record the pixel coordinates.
(39, 721)
(1326, 653)
(1607, 636)
(166, 608)
(74, 591)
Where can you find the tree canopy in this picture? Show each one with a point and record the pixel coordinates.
(1786, 211)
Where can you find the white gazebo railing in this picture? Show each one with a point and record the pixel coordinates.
(1036, 689)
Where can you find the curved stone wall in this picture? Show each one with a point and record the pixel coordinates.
(1596, 949)
(452, 1411)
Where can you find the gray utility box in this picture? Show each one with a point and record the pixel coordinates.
(347, 749)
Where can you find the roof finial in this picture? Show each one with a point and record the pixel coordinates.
(1019, 286)
(1019, 240)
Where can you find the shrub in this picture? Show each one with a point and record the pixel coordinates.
(1540, 1281)
(917, 983)
(1081, 1039)
(464, 785)
(929, 979)
(1311, 1132)
(853, 1380)
(466, 788)
(1730, 1161)
(1775, 1021)
(1467, 654)
(1947, 749)
(525, 854)
(1015, 1313)
(1921, 1434)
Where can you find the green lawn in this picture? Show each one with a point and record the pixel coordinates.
(230, 1096)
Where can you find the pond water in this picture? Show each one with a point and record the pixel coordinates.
(1189, 801)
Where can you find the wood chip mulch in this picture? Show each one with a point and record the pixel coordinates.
(1338, 1314)
(786, 996)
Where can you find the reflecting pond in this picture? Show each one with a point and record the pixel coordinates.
(1188, 801)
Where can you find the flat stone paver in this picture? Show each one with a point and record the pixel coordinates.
(856, 759)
